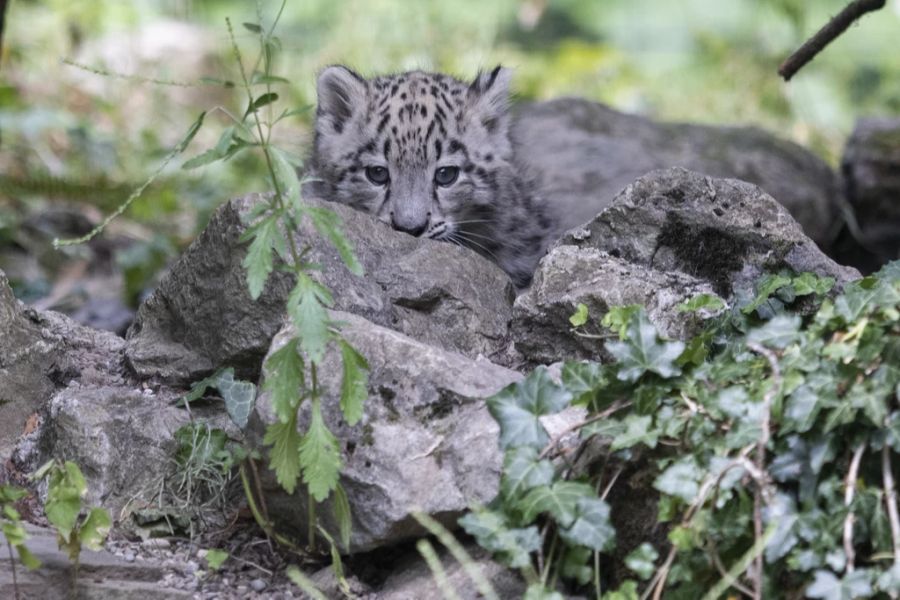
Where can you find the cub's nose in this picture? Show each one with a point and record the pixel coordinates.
(410, 226)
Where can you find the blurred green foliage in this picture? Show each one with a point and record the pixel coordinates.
(70, 135)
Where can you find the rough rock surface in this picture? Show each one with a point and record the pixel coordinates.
(201, 316)
(41, 352)
(584, 153)
(426, 439)
(121, 437)
(871, 170)
(668, 236)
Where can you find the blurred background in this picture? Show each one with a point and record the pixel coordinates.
(74, 141)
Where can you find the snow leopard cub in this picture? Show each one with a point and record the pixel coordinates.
(431, 155)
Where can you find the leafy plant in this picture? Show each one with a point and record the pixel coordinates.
(65, 489)
(14, 531)
(772, 451)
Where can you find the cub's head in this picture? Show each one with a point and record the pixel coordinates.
(424, 152)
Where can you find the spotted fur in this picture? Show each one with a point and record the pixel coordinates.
(390, 145)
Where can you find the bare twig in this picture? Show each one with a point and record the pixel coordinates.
(849, 492)
(765, 434)
(890, 498)
(826, 35)
(576, 426)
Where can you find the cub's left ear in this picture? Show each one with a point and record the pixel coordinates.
(489, 97)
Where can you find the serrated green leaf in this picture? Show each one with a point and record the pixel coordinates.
(284, 457)
(709, 302)
(284, 380)
(641, 351)
(239, 396)
(343, 515)
(285, 175)
(559, 500)
(328, 224)
(517, 409)
(642, 560)
(592, 527)
(94, 529)
(320, 456)
(258, 261)
(580, 316)
(523, 471)
(306, 305)
(354, 383)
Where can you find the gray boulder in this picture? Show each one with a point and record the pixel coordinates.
(584, 153)
(668, 236)
(871, 170)
(201, 316)
(426, 440)
(42, 352)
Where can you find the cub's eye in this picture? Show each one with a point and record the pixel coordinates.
(446, 175)
(377, 175)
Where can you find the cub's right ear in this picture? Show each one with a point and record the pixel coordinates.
(340, 91)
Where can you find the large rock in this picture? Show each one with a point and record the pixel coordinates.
(668, 236)
(871, 170)
(426, 440)
(584, 153)
(201, 315)
(40, 353)
(121, 437)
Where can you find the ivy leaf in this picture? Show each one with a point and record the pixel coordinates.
(523, 471)
(641, 351)
(215, 558)
(642, 560)
(592, 527)
(306, 307)
(258, 260)
(681, 479)
(284, 380)
(328, 224)
(492, 532)
(199, 388)
(239, 396)
(354, 384)
(537, 591)
(767, 286)
(638, 430)
(582, 379)
(627, 591)
(560, 500)
(284, 458)
(779, 332)
(320, 456)
(516, 409)
(580, 316)
(827, 586)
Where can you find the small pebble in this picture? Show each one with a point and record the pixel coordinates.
(158, 543)
(128, 556)
(258, 585)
